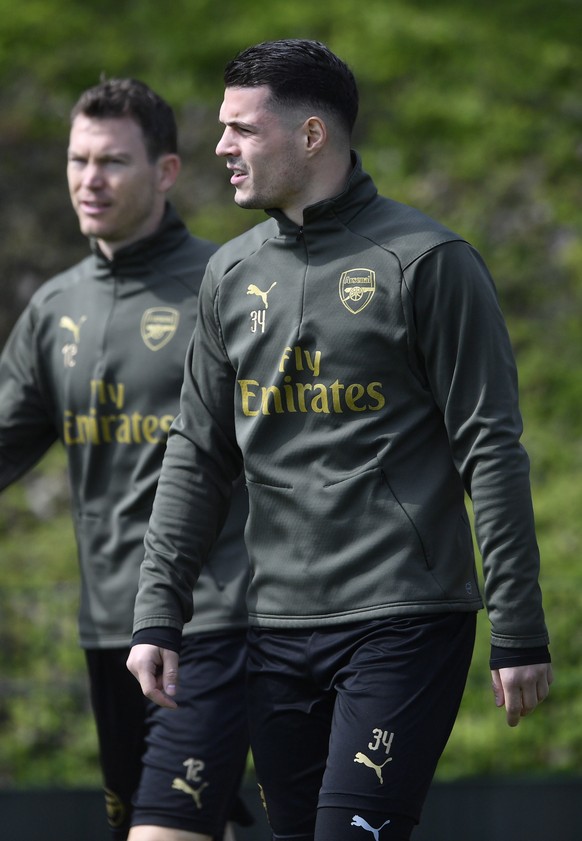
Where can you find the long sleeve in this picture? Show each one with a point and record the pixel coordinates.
(472, 375)
(27, 429)
(201, 462)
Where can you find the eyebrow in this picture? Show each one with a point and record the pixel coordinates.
(237, 123)
(105, 155)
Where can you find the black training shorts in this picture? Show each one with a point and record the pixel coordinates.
(353, 718)
(193, 758)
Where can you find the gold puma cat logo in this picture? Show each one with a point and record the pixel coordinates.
(364, 760)
(254, 290)
(195, 793)
(67, 323)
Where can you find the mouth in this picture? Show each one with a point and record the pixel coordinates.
(239, 174)
(93, 207)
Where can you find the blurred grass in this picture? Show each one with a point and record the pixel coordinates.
(471, 112)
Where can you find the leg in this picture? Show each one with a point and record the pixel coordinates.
(195, 756)
(158, 833)
(349, 723)
(229, 833)
(119, 709)
(290, 721)
(333, 824)
(397, 699)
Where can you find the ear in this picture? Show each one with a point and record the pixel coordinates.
(168, 169)
(315, 133)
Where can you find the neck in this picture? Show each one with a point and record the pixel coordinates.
(328, 180)
(111, 247)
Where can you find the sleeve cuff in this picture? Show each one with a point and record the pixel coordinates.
(503, 658)
(170, 638)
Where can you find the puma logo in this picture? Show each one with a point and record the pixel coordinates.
(182, 785)
(115, 809)
(358, 821)
(364, 760)
(68, 324)
(254, 290)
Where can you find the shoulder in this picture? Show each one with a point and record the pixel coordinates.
(201, 248)
(65, 282)
(405, 231)
(183, 265)
(240, 248)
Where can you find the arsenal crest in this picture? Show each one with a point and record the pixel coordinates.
(356, 289)
(158, 325)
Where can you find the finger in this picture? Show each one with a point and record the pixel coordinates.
(497, 687)
(543, 686)
(535, 689)
(159, 697)
(508, 694)
(513, 707)
(146, 665)
(529, 698)
(170, 679)
(532, 694)
(545, 682)
(152, 685)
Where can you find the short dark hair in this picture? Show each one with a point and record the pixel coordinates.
(298, 72)
(131, 98)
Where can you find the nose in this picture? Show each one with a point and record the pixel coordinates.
(225, 145)
(92, 175)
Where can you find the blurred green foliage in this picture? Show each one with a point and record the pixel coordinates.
(471, 112)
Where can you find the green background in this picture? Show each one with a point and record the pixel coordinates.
(471, 112)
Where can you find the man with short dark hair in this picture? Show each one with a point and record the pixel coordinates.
(352, 358)
(96, 361)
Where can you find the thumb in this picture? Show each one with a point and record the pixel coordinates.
(497, 687)
(169, 672)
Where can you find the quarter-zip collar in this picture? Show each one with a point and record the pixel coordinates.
(134, 260)
(359, 190)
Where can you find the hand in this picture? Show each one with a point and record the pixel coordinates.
(156, 669)
(520, 689)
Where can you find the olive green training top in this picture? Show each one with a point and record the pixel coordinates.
(96, 360)
(359, 368)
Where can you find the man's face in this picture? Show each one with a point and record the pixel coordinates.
(264, 152)
(114, 187)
